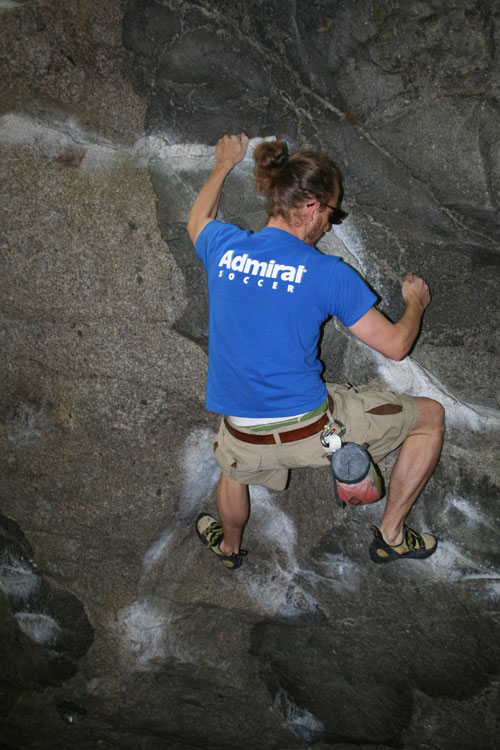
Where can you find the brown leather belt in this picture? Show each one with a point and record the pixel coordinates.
(285, 437)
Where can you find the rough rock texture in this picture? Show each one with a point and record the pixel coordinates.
(33, 612)
(109, 112)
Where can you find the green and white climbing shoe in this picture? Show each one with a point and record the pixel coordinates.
(414, 545)
(210, 532)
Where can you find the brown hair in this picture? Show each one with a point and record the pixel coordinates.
(288, 181)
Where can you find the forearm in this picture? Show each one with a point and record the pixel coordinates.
(393, 340)
(207, 202)
(229, 151)
(407, 328)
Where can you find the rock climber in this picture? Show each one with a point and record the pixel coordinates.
(269, 293)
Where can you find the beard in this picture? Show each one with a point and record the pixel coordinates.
(315, 231)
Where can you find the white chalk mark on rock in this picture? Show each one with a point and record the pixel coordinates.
(143, 625)
(201, 473)
(409, 377)
(337, 571)
(186, 155)
(43, 629)
(472, 514)
(10, 4)
(18, 580)
(273, 584)
(158, 549)
(200, 469)
(96, 153)
(301, 721)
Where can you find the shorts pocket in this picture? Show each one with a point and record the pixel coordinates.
(236, 458)
(303, 453)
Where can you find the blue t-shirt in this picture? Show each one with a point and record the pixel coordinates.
(269, 293)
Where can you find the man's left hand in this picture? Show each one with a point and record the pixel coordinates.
(231, 149)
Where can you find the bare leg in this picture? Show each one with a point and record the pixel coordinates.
(234, 506)
(417, 458)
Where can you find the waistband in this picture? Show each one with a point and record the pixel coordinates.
(279, 424)
(284, 436)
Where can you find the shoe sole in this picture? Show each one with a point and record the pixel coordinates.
(392, 556)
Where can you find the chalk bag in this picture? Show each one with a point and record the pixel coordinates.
(356, 479)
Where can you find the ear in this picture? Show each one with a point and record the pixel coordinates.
(307, 213)
(311, 209)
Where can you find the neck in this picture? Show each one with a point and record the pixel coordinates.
(278, 222)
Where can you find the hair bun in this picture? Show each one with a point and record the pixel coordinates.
(281, 160)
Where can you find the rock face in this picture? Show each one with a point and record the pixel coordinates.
(34, 612)
(137, 637)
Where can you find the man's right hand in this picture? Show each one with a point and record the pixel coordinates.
(415, 288)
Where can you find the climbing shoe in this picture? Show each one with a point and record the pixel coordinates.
(210, 532)
(414, 545)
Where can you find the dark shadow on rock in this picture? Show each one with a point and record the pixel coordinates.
(70, 712)
(193, 324)
(352, 679)
(325, 686)
(204, 67)
(45, 630)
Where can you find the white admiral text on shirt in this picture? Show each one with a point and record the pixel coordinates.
(248, 268)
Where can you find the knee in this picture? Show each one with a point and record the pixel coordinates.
(437, 416)
(431, 415)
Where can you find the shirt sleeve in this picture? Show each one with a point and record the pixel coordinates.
(351, 296)
(205, 240)
(212, 237)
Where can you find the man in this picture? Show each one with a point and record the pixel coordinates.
(269, 292)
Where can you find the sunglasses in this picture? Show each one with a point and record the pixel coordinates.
(337, 216)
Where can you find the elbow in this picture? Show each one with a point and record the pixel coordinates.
(397, 350)
(397, 356)
(195, 225)
(192, 230)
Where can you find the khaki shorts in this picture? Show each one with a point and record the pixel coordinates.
(269, 465)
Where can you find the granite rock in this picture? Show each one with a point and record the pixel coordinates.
(109, 113)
